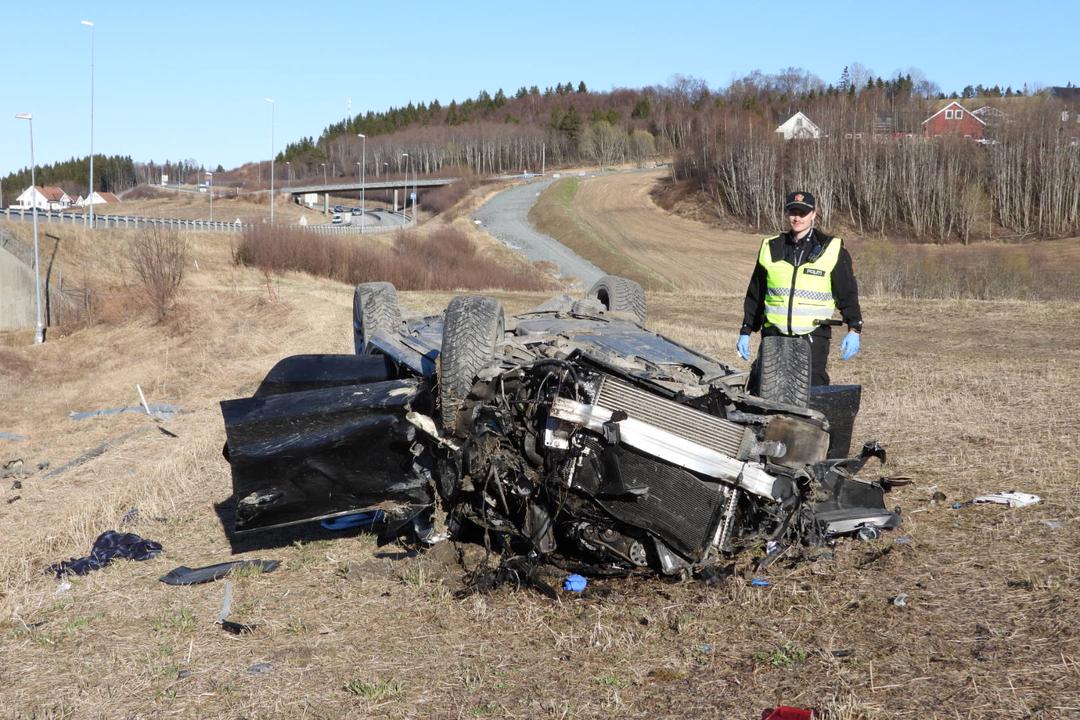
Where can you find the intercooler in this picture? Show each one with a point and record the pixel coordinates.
(677, 506)
(714, 433)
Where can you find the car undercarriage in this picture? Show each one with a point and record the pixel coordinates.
(568, 434)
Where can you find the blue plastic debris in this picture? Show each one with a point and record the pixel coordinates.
(574, 583)
(345, 522)
(760, 582)
(160, 411)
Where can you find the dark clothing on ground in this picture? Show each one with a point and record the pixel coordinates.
(783, 247)
(109, 546)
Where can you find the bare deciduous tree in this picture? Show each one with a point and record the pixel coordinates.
(158, 257)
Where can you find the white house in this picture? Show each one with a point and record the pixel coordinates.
(799, 127)
(48, 197)
(99, 198)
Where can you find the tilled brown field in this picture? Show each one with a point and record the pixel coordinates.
(969, 397)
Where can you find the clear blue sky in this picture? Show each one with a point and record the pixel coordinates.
(187, 79)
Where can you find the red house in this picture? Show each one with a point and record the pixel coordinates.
(954, 119)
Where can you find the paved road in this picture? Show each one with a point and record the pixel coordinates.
(506, 216)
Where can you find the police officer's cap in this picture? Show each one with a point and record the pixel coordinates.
(800, 199)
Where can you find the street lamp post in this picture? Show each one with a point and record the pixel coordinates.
(271, 101)
(363, 190)
(405, 187)
(39, 335)
(90, 25)
(326, 191)
(288, 172)
(210, 189)
(413, 196)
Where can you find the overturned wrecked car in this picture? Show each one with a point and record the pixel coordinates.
(568, 434)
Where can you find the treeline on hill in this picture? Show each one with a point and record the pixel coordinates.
(877, 172)
(1026, 178)
(112, 173)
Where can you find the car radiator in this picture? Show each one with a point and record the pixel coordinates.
(714, 433)
(678, 507)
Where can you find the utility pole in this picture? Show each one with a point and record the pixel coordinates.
(363, 189)
(39, 335)
(90, 25)
(271, 101)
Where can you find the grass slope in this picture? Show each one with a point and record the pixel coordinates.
(345, 629)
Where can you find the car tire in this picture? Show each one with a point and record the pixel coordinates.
(785, 370)
(472, 331)
(620, 294)
(375, 309)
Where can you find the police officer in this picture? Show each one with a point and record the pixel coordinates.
(801, 276)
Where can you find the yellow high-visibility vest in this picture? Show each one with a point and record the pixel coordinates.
(794, 300)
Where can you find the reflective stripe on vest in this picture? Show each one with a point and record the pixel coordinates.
(809, 290)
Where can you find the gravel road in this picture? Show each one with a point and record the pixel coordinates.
(506, 216)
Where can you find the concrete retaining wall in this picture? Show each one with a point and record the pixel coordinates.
(16, 293)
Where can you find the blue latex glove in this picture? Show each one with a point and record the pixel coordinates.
(849, 346)
(574, 583)
(744, 347)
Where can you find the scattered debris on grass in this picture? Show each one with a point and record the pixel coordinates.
(574, 583)
(786, 712)
(356, 520)
(1012, 498)
(184, 575)
(12, 437)
(102, 448)
(156, 410)
(109, 546)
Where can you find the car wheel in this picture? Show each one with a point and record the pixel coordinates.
(785, 370)
(473, 328)
(620, 294)
(375, 309)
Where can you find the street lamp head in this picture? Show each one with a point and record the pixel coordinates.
(269, 100)
(361, 135)
(23, 116)
(87, 23)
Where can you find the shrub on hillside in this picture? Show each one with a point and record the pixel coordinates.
(1001, 272)
(442, 199)
(157, 257)
(146, 192)
(445, 259)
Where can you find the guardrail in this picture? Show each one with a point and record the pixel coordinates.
(137, 221)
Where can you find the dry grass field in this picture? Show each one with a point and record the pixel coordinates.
(969, 397)
(613, 222)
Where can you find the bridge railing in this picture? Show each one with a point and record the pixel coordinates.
(137, 221)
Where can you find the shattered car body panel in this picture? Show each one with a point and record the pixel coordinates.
(584, 437)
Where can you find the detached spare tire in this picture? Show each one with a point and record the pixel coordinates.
(375, 308)
(785, 370)
(620, 294)
(472, 331)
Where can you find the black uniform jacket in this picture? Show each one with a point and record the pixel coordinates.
(845, 289)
